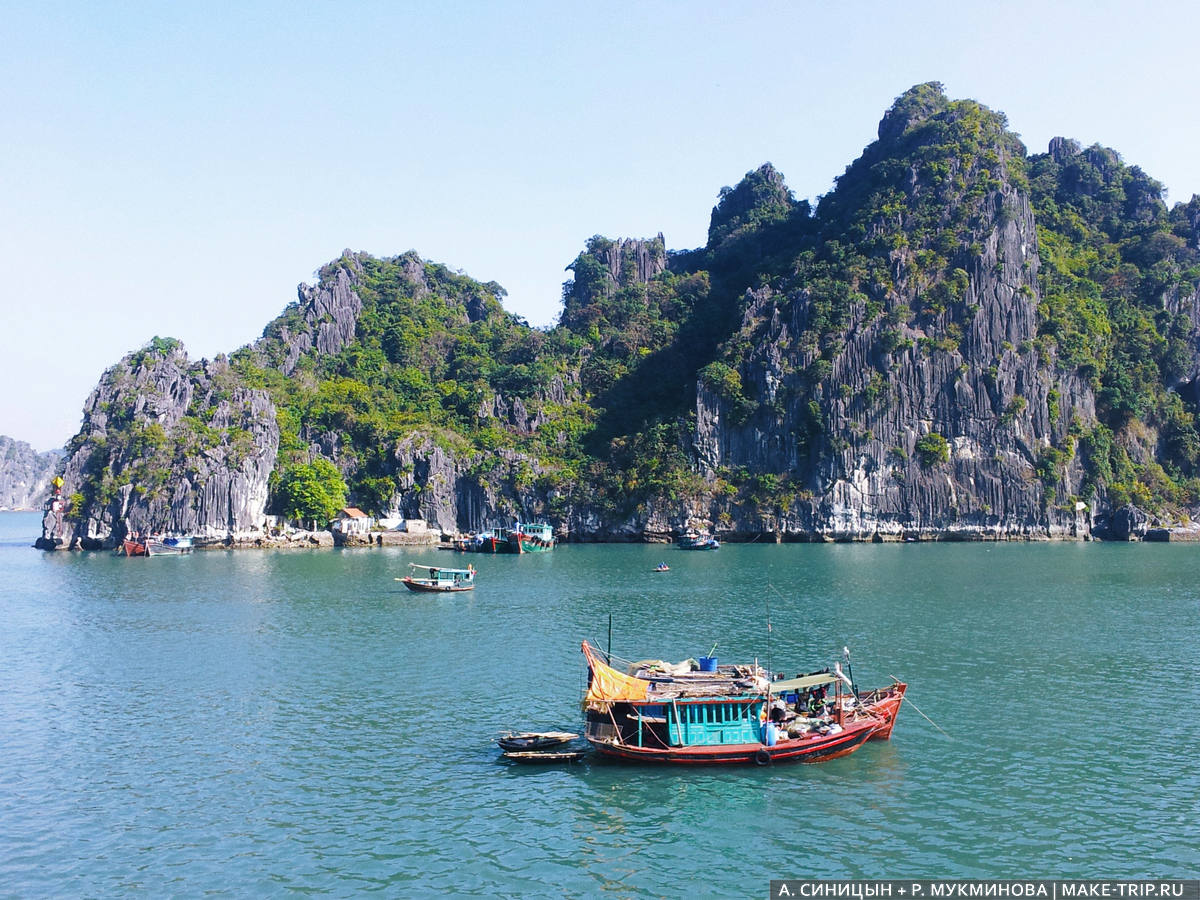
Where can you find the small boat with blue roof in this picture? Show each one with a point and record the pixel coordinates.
(698, 540)
(438, 579)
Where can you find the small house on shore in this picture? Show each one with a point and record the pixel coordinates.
(352, 521)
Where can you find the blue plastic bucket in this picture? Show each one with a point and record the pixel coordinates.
(770, 735)
(708, 664)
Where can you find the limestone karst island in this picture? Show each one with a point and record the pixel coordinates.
(963, 339)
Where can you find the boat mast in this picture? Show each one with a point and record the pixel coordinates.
(608, 659)
(770, 671)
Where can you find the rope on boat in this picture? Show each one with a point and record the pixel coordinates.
(918, 709)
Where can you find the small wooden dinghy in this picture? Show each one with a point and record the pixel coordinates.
(545, 756)
(534, 741)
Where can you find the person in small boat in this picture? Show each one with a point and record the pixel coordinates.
(816, 701)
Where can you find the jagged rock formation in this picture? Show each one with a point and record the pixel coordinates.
(170, 445)
(325, 319)
(965, 370)
(25, 474)
(959, 341)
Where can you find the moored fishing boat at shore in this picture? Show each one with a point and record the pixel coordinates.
(723, 715)
(531, 537)
(134, 547)
(168, 545)
(524, 537)
(698, 540)
(495, 540)
(140, 545)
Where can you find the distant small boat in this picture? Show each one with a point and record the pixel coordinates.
(534, 740)
(545, 756)
(662, 567)
(493, 541)
(532, 537)
(134, 548)
(156, 546)
(698, 541)
(168, 545)
(525, 537)
(439, 580)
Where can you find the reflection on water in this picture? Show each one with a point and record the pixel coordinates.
(274, 721)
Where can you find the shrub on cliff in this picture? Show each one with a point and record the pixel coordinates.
(932, 449)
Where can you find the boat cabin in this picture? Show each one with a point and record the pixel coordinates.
(659, 709)
(538, 530)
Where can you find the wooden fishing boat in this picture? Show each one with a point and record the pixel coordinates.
(725, 715)
(133, 547)
(156, 546)
(497, 540)
(535, 740)
(168, 545)
(524, 537)
(439, 580)
(529, 537)
(545, 756)
(698, 541)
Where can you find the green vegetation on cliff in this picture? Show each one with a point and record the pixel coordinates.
(791, 321)
(1116, 266)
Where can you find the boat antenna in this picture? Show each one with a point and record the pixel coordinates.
(609, 660)
(770, 671)
(850, 670)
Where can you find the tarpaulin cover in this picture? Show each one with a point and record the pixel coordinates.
(609, 685)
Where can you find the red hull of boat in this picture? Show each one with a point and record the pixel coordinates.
(435, 589)
(806, 749)
(884, 703)
(134, 548)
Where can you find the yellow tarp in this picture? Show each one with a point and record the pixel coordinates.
(609, 685)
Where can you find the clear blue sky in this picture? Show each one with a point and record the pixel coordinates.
(177, 169)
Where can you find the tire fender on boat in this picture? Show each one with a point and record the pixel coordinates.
(762, 757)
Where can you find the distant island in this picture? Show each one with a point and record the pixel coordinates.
(962, 340)
(25, 474)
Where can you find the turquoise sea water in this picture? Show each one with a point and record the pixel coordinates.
(274, 722)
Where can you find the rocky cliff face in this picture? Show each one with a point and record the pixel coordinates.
(323, 318)
(456, 489)
(919, 356)
(931, 410)
(170, 446)
(25, 474)
(852, 439)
